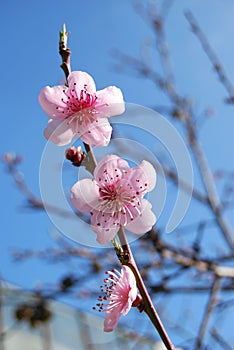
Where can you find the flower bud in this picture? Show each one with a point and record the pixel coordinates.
(75, 155)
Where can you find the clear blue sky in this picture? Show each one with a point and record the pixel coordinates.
(29, 60)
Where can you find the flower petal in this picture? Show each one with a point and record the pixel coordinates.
(79, 80)
(84, 195)
(59, 132)
(150, 172)
(50, 99)
(104, 225)
(111, 319)
(110, 169)
(142, 177)
(145, 221)
(110, 102)
(128, 279)
(105, 236)
(97, 133)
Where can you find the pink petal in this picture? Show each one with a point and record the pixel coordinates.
(79, 80)
(110, 168)
(144, 222)
(59, 132)
(142, 177)
(84, 195)
(103, 224)
(104, 236)
(127, 306)
(130, 282)
(97, 133)
(111, 319)
(129, 278)
(50, 99)
(110, 101)
(150, 172)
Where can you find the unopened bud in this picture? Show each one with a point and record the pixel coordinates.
(138, 303)
(12, 158)
(75, 155)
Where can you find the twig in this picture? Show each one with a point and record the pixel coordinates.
(171, 174)
(162, 47)
(187, 290)
(90, 161)
(207, 314)
(208, 181)
(64, 52)
(219, 339)
(187, 258)
(211, 55)
(147, 302)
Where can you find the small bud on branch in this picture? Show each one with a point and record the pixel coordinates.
(64, 51)
(75, 155)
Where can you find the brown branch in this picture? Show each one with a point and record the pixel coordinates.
(64, 52)
(186, 258)
(162, 47)
(90, 161)
(209, 184)
(146, 71)
(207, 314)
(147, 302)
(219, 339)
(186, 187)
(219, 69)
(186, 290)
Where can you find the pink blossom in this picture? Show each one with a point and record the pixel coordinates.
(120, 291)
(78, 110)
(114, 197)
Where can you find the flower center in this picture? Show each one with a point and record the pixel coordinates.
(118, 201)
(78, 106)
(114, 198)
(108, 193)
(76, 103)
(115, 292)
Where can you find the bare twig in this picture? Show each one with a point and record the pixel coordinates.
(147, 301)
(187, 258)
(218, 67)
(208, 181)
(180, 289)
(158, 22)
(207, 314)
(219, 339)
(64, 52)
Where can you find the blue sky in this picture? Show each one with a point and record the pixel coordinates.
(30, 60)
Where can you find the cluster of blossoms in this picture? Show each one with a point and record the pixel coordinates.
(115, 196)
